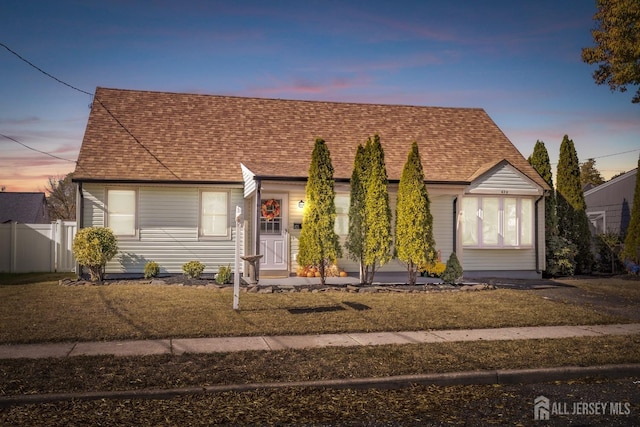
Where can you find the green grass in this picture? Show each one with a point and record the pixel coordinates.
(45, 311)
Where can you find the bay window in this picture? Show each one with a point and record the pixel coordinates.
(497, 222)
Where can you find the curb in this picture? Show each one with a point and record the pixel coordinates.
(511, 376)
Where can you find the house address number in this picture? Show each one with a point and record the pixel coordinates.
(504, 191)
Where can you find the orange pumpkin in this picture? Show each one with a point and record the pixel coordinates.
(310, 274)
(343, 274)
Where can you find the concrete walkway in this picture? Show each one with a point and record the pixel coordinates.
(230, 344)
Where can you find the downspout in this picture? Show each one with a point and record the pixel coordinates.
(455, 224)
(79, 220)
(537, 239)
(256, 227)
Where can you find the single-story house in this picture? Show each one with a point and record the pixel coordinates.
(166, 172)
(23, 208)
(609, 204)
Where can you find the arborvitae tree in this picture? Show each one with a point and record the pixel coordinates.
(540, 162)
(377, 211)
(414, 223)
(319, 243)
(571, 207)
(631, 250)
(355, 243)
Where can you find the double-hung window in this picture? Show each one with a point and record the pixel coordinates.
(214, 214)
(121, 212)
(497, 222)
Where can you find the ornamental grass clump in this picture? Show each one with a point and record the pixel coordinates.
(193, 269)
(93, 247)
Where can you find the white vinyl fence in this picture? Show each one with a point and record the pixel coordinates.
(27, 248)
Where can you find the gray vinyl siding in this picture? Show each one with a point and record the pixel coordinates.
(505, 180)
(442, 211)
(612, 201)
(167, 223)
(499, 259)
(94, 205)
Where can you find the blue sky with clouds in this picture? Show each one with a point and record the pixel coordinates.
(519, 60)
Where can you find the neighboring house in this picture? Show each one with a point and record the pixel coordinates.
(166, 171)
(609, 204)
(24, 208)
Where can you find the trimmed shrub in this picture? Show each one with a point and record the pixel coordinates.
(151, 269)
(561, 257)
(434, 269)
(93, 247)
(453, 271)
(224, 274)
(193, 269)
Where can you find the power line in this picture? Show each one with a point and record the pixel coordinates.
(36, 150)
(136, 139)
(607, 155)
(44, 72)
(96, 99)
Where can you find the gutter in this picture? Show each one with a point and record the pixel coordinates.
(536, 229)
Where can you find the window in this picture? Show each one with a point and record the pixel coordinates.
(214, 214)
(497, 222)
(271, 219)
(121, 208)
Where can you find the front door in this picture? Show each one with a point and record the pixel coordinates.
(273, 232)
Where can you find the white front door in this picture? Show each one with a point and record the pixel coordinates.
(273, 232)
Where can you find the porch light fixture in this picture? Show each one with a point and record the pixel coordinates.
(301, 204)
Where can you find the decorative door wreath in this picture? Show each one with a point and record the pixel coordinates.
(270, 209)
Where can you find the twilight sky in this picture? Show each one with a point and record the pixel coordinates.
(518, 60)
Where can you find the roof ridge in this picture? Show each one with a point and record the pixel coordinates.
(310, 101)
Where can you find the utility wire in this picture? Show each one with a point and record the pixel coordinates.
(96, 99)
(136, 139)
(607, 155)
(44, 72)
(36, 150)
(42, 152)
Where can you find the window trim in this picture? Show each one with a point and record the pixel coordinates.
(479, 217)
(136, 229)
(227, 234)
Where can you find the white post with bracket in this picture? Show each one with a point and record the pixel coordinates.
(236, 275)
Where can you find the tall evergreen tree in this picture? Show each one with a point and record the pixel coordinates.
(414, 223)
(356, 238)
(378, 241)
(571, 207)
(631, 250)
(319, 243)
(540, 162)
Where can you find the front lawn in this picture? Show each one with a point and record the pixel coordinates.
(45, 311)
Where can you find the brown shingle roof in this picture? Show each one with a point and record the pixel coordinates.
(204, 138)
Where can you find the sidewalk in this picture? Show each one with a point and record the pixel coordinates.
(231, 344)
